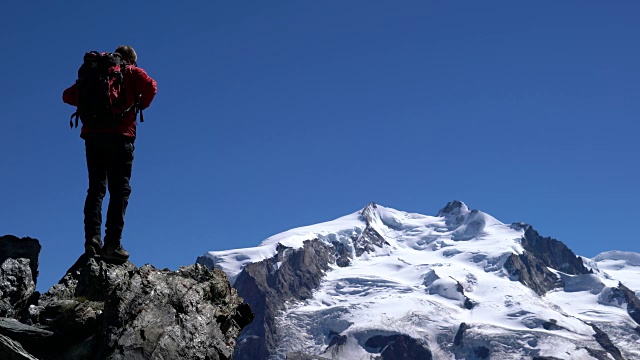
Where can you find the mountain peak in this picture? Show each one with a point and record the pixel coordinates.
(453, 208)
(369, 212)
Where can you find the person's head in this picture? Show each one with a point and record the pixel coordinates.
(128, 54)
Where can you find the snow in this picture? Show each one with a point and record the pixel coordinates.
(622, 266)
(412, 287)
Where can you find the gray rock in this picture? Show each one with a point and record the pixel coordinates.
(266, 287)
(12, 350)
(105, 311)
(22, 332)
(18, 274)
(16, 286)
(399, 347)
(624, 294)
(531, 272)
(603, 339)
(17, 248)
(551, 252)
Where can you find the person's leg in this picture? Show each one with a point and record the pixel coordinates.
(118, 175)
(97, 171)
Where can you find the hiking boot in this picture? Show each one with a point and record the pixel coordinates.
(93, 246)
(115, 254)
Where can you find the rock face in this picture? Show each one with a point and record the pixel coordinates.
(267, 285)
(18, 274)
(541, 253)
(104, 311)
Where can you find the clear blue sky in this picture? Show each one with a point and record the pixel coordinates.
(277, 114)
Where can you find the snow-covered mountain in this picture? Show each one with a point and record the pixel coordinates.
(386, 284)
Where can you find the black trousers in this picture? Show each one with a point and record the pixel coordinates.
(109, 163)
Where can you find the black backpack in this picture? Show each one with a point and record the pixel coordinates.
(101, 91)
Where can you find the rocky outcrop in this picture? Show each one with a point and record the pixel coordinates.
(369, 239)
(397, 347)
(603, 339)
(292, 274)
(18, 274)
(624, 295)
(531, 272)
(531, 268)
(551, 252)
(104, 311)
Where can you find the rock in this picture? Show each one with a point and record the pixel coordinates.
(603, 339)
(12, 350)
(30, 337)
(399, 347)
(18, 274)
(531, 272)
(551, 252)
(292, 274)
(25, 248)
(624, 294)
(105, 311)
(457, 341)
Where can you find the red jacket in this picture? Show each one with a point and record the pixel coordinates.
(135, 78)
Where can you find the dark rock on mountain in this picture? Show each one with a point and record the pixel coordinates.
(551, 252)
(454, 213)
(531, 272)
(12, 350)
(457, 341)
(18, 274)
(30, 337)
(603, 339)
(541, 253)
(292, 274)
(369, 239)
(12, 247)
(398, 347)
(103, 311)
(624, 295)
(545, 358)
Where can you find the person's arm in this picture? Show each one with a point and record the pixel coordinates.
(146, 87)
(70, 95)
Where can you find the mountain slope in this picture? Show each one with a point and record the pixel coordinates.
(382, 283)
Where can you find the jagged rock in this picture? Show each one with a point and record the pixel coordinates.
(552, 325)
(624, 294)
(368, 241)
(454, 213)
(531, 272)
(192, 313)
(603, 339)
(292, 274)
(104, 311)
(30, 337)
(551, 252)
(12, 350)
(18, 274)
(541, 253)
(398, 347)
(457, 341)
(16, 248)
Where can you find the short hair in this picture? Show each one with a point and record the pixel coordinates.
(127, 53)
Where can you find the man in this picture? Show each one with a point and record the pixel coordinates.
(109, 154)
